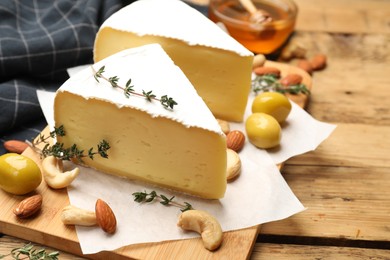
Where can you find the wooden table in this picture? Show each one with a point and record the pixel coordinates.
(345, 183)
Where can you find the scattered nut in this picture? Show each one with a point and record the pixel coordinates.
(258, 60)
(233, 168)
(53, 174)
(72, 215)
(260, 71)
(305, 65)
(291, 79)
(235, 140)
(225, 126)
(318, 62)
(28, 207)
(203, 223)
(105, 217)
(15, 146)
(293, 50)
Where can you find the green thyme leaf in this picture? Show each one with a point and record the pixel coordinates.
(148, 95)
(144, 197)
(114, 81)
(270, 82)
(128, 90)
(99, 73)
(29, 252)
(167, 102)
(59, 150)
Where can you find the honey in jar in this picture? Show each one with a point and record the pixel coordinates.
(263, 37)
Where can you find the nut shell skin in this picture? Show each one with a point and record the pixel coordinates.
(291, 79)
(15, 146)
(235, 140)
(105, 217)
(261, 71)
(318, 62)
(28, 207)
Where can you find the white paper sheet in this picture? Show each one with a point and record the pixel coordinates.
(258, 196)
(301, 133)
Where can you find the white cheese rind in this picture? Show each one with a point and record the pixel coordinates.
(183, 149)
(173, 19)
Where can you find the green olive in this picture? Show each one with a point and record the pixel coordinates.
(18, 174)
(263, 130)
(272, 103)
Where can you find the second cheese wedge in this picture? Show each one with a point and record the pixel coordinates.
(182, 148)
(216, 64)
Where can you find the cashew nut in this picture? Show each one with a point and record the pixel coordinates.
(225, 126)
(53, 173)
(203, 223)
(233, 168)
(258, 60)
(72, 215)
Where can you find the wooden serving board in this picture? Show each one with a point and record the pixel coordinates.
(47, 229)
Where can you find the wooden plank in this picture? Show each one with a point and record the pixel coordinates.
(351, 145)
(260, 251)
(345, 181)
(8, 243)
(347, 16)
(339, 16)
(354, 86)
(342, 202)
(48, 229)
(300, 252)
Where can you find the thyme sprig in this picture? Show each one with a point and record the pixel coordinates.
(270, 82)
(144, 197)
(128, 90)
(44, 139)
(28, 251)
(59, 150)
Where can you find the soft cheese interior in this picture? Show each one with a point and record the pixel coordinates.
(217, 65)
(181, 148)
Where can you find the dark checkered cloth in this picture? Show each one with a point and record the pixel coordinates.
(39, 40)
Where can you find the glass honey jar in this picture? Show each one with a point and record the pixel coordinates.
(259, 37)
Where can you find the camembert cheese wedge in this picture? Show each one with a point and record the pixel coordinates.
(182, 148)
(218, 66)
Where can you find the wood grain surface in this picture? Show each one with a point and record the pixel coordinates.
(345, 182)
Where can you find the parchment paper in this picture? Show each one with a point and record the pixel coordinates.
(259, 195)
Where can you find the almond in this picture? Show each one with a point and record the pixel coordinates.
(105, 217)
(305, 65)
(235, 140)
(318, 62)
(291, 79)
(29, 206)
(260, 71)
(15, 146)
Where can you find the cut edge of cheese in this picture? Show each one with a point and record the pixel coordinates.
(183, 149)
